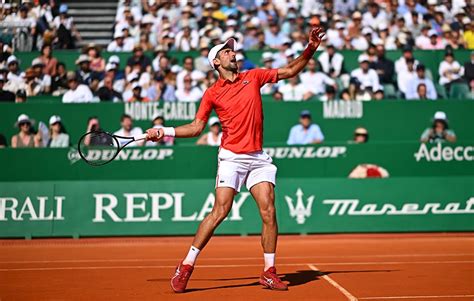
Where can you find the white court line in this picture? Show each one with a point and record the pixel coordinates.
(228, 265)
(349, 296)
(235, 258)
(416, 297)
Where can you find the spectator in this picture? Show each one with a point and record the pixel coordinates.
(137, 94)
(84, 74)
(25, 136)
(404, 78)
(49, 62)
(118, 45)
(159, 122)
(331, 62)
(314, 81)
(58, 136)
(5, 95)
(401, 63)
(367, 77)
(274, 38)
(374, 17)
(28, 30)
(139, 58)
(43, 79)
(329, 95)
(469, 71)
(20, 96)
(15, 78)
(361, 135)
(3, 141)
(187, 39)
(196, 75)
(267, 60)
(188, 93)
(383, 66)
(32, 84)
(305, 132)
(66, 30)
(436, 42)
(127, 130)
(160, 90)
(106, 92)
(201, 62)
(439, 131)
(412, 86)
(294, 90)
(214, 136)
(77, 92)
(450, 71)
(421, 92)
(60, 85)
(97, 62)
(93, 125)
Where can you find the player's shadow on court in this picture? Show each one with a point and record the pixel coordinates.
(297, 278)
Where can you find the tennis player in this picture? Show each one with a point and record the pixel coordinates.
(237, 101)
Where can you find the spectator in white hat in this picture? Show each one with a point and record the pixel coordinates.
(366, 77)
(439, 130)
(43, 79)
(117, 45)
(25, 137)
(14, 73)
(58, 136)
(214, 136)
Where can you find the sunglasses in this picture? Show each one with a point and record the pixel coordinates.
(24, 123)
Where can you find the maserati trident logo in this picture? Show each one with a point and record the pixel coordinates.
(299, 210)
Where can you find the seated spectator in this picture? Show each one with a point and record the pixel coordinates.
(315, 81)
(58, 136)
(84, 74)
(188, 69)
(15, 78)
(331, 62)
(469, 72)
(29, 28)
(267, 60)
(106, 92)
(188, 93)
(405, 77)
(384, 67)
(77, 92)
(329, 95)
(66, 30)
(450, 71)
(49, 62)
(139, 58)
(436, 42)
(274, 37)
(421, 92)
(469, 33)
(159, 122)
(5, 95)
(214, 136)
(97, 62)
(137, 94)
(401, 63)
(161, 90)
(25, 136)
(293, 90)
(305, 132)
(60, 85)
(127, 130)
(31, 83)
(379, 94)
(20, 96)
(420, 78)
(439, 131)
(93, 125)
(44, 80)
(118, 44)
(374, 17)
(187, 39)
(367, 77)
(361, 135)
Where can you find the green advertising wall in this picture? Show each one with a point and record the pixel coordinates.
(164, 207)
(386, 121)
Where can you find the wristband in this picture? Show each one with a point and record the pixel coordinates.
(169, 131)
(308, 53)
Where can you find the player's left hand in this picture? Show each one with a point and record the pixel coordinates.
(316, 35)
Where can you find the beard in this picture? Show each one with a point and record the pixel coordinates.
(233, 67)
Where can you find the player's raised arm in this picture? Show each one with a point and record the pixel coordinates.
(315, 37)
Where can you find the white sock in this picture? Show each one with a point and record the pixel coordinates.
(269, 260)
(192, 255)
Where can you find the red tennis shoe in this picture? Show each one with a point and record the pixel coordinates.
(181, 277)
(270, 279)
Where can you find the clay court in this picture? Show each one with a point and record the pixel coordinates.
(317, 267)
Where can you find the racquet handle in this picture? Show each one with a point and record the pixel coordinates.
(140, 137)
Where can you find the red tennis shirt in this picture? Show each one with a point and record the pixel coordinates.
(238, 105)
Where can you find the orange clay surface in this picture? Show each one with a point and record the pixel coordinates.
(316, 267)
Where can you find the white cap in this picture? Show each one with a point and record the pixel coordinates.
(83, 58)
(37, 62)
(23, 118)
(378, 42)
(440, 115)
(289, 52)
(363, 58)
(367, 30)
(214, 50)
(11, 59)
(340, 25)
(213, 120)
(239, 57)
(114, 59)
(132, 76)
(432, 32)
(110, 66)
(136, 85)
(383, 26)
(231, 22)
(267, 56)
(176, 68)
(432, 2)
(53, 119)
(118, 34)
(148, 19)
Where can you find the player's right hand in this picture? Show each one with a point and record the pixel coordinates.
(154, 134)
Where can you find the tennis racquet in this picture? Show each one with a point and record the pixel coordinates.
(99, 148)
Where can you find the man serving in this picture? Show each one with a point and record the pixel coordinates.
(237, 101)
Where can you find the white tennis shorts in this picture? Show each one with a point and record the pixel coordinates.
(235, 170)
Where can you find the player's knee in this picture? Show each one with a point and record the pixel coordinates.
(268, 215)
(221, 212)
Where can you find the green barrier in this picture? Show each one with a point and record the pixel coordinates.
(400, 160)
(163, 207)
(385, 120)
(431, 58)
